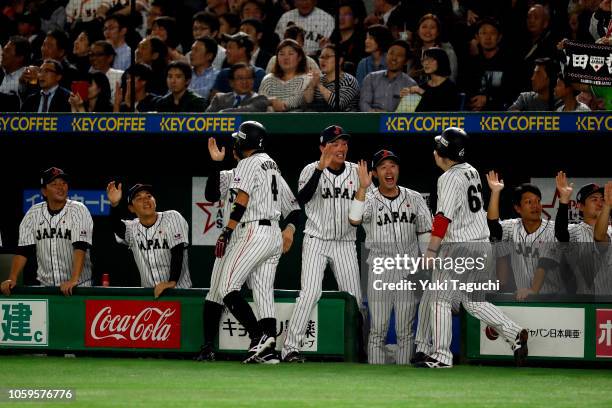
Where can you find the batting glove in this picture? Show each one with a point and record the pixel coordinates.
(223, 241)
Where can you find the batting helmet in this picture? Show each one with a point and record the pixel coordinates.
(250, 135)
(451, 144)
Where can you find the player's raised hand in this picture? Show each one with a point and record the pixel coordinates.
(608, 194)
(495, 184)
(564, 188)
(365, 176)
(215, 153)
(327, 156)
(114, 193)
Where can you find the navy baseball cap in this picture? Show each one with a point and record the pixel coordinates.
(51, 174)
(586, 190)
(332, 133)
(384, 155)
(136, 188)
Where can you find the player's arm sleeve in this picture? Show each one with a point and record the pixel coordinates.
(496, 231)
(290, 208)
(212, 191)
(117, 225)
(178, 229)
(245, 177)
(423, 219)
(84, 236)
(27, 251)
(176, 262)
(447, 201)
(308, 183)
(561, 231)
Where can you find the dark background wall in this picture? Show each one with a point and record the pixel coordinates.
(170, 161)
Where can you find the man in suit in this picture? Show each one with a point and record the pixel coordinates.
(242, 98)
(52, 97)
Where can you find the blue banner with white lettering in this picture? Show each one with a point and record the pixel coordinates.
(95, 200)
(503, 122)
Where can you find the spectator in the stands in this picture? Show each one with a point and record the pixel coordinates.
(55, 46)
(165, 29)
(203, 52)
(352, 34)
(101, 59)
(228, 24)
(255, 9)
(153, 52)
(254, 28)
(98, 96)
(29, 26)
(115, 29)
(15, 58)
(389, 13)
(217, 7)
(538, 44)
(81, 48)
(206, 24)
(296, 33)
(488, 76)
(239, 49)
(286, 84)
(316, 23)
(439, 93)
(429, 34)
(158, 8)
(81, 11)
(51, 97)
(567, 94)
(377, 42)
(180, 99)
(543, 81)
(144, 100)
(381, 89)
(321, 94)
(242, 98)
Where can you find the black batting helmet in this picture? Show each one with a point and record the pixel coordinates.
(250, 135)
(451, 144)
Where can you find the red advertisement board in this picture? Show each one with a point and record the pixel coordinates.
(603, 333)
(132, 324)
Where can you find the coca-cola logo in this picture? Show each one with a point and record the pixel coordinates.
(124, 323)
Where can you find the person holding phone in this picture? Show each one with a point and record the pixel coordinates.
(95, 97)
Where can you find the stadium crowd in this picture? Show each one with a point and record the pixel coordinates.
(278, 55)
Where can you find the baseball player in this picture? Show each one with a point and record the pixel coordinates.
(253, 241)
(525, 239)
(395, 219)
(326, 189)
(601, 230)
(58, 233)
(590, 268)
(460, 231)
(158, 240)
(217, 188)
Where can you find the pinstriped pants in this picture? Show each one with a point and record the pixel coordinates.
(316, 254)
(439, 310)
(380, 303)
(255, 254)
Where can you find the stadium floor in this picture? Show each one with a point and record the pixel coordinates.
(149, 382)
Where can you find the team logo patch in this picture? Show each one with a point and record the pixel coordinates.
(236, 179)
(177, 236)
(83, 233)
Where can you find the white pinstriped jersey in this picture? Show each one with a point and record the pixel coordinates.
(392, 225)
(327, 211)
(288, 200)
(259, 177)
(526, 250)
(151, 247)
(460, 200)
(590, 266)
(53, 237)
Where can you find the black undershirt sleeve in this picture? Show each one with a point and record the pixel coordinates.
(306, 193)
(117, 225)
(561, 232)
(176, 262)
